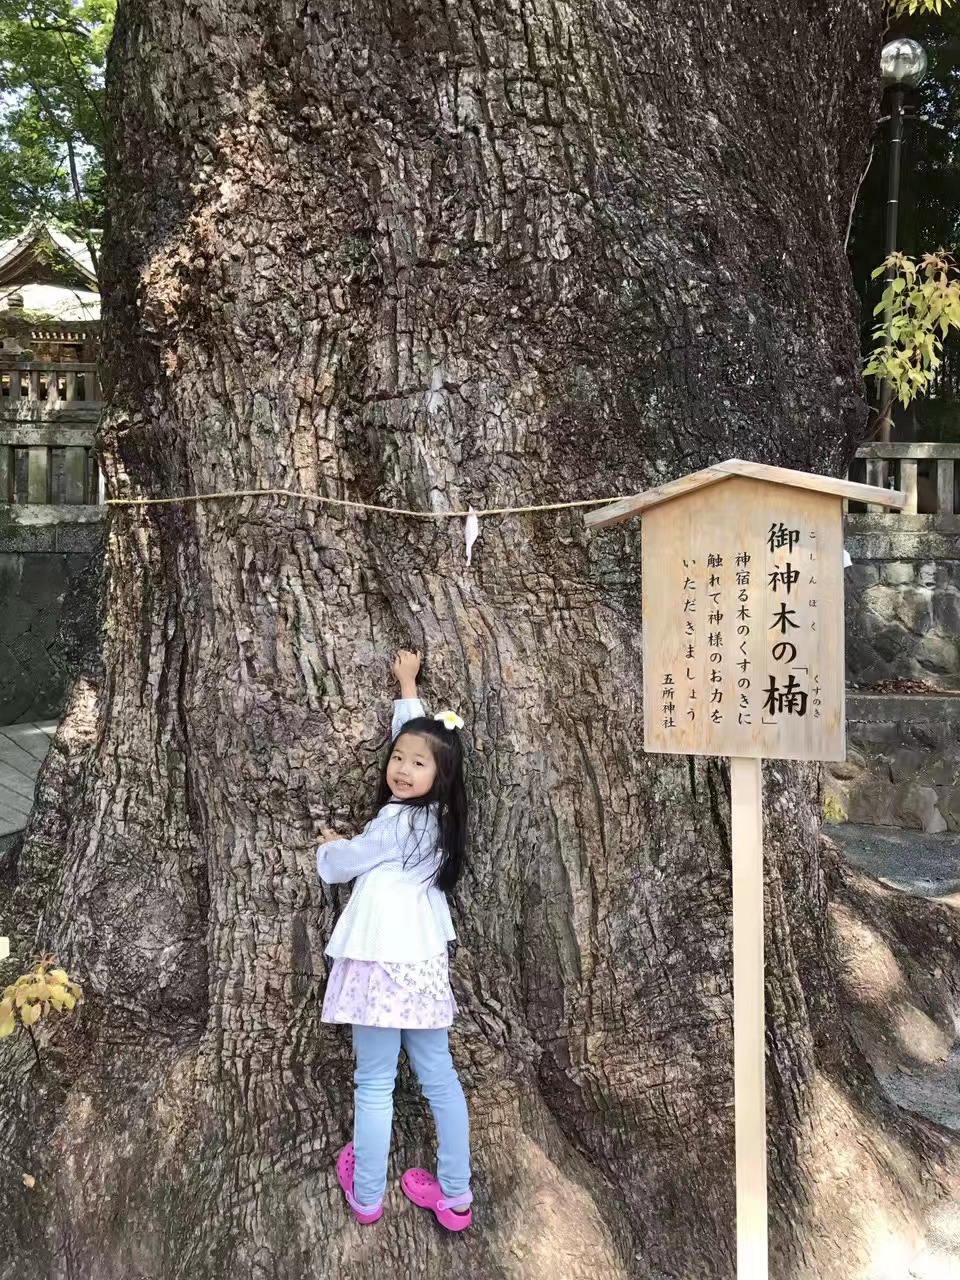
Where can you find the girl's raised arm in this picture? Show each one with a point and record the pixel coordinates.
(339, 860)
(406, 668)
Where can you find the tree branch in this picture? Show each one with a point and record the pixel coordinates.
(82, 208)
(84, 87)
(67, 138)
(74, 29)
(856, 193)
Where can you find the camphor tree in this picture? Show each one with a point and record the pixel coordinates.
(426, 255)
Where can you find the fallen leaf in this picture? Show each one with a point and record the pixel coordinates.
(29, 1181)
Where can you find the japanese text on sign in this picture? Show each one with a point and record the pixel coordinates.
(746, 657)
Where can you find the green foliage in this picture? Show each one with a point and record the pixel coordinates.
(902, 7)
(921, 305)
(833, 810)
(929, 203)
(52, 125)
(36, 995)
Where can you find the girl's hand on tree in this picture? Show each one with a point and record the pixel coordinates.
(406, 668)
(327, 836)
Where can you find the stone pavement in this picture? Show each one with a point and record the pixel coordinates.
(914, 861)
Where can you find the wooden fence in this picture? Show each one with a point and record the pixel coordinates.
(48, 418)
(50, 384)
(928, 473)
(49, 413)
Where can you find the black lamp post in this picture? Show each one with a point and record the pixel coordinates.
(903, 64)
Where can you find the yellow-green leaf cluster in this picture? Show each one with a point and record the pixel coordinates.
(901, 7)
(920, 305)
(35, 994)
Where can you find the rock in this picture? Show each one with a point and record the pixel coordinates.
(918, 808)
(896, 573)
(871, 802)
(882, 603)
(929, 735)
(927, 573)
(905, 763)
(948, 574)
(860, 657)
(861, 576)
(889, 642)
(946, 612)
(845, 770)
(913, 607)
(939, 655)
(941, 769)
(875, 733)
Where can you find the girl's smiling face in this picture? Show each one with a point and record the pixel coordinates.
(411, 769)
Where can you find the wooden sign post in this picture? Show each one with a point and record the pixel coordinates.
(743, 630)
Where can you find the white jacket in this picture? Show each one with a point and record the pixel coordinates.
(394, 914)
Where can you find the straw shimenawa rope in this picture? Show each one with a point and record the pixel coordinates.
(366, 506)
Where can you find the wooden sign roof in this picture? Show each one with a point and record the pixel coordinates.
(617, 512)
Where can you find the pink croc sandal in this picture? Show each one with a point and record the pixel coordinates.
(345, 1167)
(424, 1190)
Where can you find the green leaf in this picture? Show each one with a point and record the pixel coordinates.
(30, 1014)
(52, 102)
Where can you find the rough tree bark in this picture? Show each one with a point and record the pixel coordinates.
(425, 253)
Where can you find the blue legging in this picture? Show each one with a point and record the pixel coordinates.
(377, 1050)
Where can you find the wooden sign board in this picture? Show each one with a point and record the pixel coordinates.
(743, 634)
(743, 657)
(743, 623)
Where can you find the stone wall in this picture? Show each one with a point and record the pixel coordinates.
(903, 763)
(49, 601)
(903, 599)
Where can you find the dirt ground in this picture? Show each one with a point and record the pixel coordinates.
(897, 913)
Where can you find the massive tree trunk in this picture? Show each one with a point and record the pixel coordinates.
(430, 254)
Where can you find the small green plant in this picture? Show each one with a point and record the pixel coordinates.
(920, 306)
(35, 995)
(833, 811)
(899, 8)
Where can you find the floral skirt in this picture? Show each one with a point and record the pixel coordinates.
(415, 997)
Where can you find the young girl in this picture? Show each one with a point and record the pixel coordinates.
(390, 978)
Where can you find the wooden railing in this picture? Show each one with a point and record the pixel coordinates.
(48, 417)
(927, 473)
(47, 459)
(51, 384)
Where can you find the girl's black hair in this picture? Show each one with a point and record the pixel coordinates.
(448, 793)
